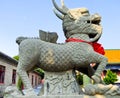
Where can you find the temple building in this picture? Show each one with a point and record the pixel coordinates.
(113, 56)
(8, 75)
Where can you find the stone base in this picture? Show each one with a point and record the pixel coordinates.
(67, 96)
(64, 85)
(61, 83)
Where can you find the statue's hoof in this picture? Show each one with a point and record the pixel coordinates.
(29, 92)
(12, 91)
(90, 89)
(96, 79)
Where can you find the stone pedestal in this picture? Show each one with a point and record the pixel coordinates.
(61, 83)
(64, 85)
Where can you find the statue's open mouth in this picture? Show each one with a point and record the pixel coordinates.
(96, 23)
(92, 35)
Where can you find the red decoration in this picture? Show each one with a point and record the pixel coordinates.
(96, 46)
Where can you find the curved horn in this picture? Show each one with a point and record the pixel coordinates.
(96, 37)
(58, 15)
(63, 6)
(58, 8)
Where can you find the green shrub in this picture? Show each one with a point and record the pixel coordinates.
(110, 77)
(79, 78)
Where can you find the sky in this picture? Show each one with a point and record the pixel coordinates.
(27, 17)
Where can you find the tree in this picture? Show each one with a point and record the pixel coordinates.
(40, 72)
(16, 57)
(110, 77)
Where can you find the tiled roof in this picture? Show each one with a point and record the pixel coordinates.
(6, 57)
(113, 55)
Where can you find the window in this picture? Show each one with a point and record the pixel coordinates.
(2, 73)
(35, 80)
(32, 79)
(14, 76)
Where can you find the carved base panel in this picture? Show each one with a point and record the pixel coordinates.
(61, 83)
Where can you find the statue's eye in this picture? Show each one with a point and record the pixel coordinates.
(85, 13)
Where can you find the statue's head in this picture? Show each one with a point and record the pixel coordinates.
(79, 21)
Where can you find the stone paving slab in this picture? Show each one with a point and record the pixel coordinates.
(68, 96)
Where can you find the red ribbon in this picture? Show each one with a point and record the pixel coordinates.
(96, 46)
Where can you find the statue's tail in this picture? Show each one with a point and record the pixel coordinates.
(20, 39)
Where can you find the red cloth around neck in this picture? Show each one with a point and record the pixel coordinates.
(96, 46)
